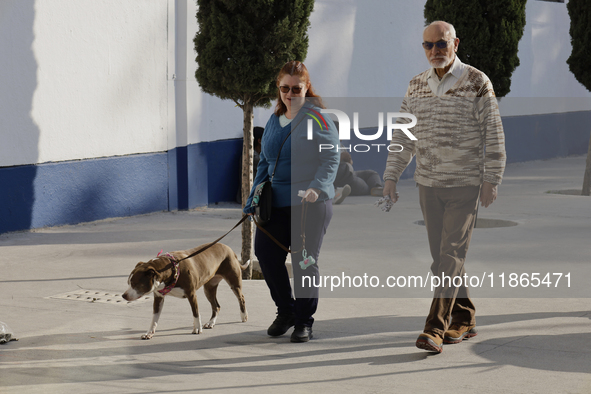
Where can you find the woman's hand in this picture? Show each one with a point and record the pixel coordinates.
(311, 195)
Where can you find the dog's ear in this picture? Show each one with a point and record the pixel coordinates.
(151, 272)
(133, 271)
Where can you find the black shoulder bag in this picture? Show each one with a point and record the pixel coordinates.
(262, 199)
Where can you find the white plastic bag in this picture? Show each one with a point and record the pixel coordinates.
(6, 334)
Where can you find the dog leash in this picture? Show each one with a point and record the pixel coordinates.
(243, 218)
(203, 249)
(175, 263)
(268, 234)
(302, 224)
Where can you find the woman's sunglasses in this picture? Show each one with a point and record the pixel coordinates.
(294, 89)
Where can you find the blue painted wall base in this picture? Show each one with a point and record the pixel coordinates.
(56, 194)
(204, 173)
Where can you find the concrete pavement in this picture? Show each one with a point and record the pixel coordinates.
(531, 340)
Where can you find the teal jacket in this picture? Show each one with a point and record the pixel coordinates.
(302, 164)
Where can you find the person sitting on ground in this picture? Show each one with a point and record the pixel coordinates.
(355, 183)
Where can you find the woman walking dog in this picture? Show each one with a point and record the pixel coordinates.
(296, 166)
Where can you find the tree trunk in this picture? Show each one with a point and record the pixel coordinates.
(247, 152)
(587, 180)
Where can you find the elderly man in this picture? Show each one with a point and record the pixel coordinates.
(460, 152)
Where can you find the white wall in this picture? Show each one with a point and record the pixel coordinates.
(372, 48)
(356, 49)
(200, 117)
(365, 48)
(19, 134)
(543, 51)
(543, 82)
(86, 78)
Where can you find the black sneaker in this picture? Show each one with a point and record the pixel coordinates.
(281, 324)
(301, 334)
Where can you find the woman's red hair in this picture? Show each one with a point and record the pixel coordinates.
(298, 69)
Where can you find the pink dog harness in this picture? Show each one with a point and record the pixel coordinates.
(175, 270)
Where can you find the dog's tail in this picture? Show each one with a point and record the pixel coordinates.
(245, 265)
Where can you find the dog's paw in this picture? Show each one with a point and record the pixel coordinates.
(244, 316)
(210, 324)
(148, 335)
(197, 331)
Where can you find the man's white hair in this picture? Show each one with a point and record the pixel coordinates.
(449, 27)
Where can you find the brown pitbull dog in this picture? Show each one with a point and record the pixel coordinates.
(166, 275)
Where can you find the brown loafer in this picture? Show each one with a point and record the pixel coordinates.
(430, 342)
(458, 332)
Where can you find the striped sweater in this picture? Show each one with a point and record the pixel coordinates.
(460, 139)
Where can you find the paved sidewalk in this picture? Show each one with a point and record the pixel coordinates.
(531, 340)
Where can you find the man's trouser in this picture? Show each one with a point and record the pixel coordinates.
(450, 215)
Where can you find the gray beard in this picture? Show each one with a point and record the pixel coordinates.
(440, 63)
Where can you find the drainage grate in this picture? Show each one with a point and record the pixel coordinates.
(96, 296)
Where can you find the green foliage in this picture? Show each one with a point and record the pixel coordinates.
(579, 61)
(241, 46)
(489, 33)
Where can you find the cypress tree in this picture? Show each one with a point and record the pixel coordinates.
(489, 33)
(580, 59)
(241, 46)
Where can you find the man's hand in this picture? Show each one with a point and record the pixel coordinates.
(488, 194)
(390, 190)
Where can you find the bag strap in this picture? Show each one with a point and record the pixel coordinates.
(272, 176)
(281, 147)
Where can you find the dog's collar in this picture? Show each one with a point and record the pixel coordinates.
(175, 271)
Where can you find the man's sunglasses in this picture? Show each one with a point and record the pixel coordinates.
(294, 89)
(439, 44)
